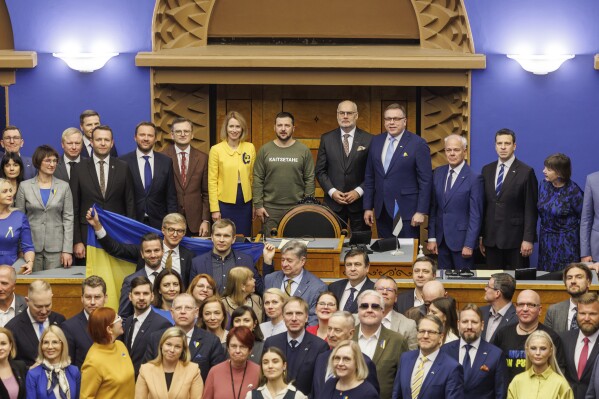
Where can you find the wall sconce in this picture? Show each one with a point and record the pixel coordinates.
(85, 62)
(540, 64)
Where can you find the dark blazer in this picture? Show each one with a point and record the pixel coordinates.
(445, 379)
(334, 170)
(456, 217)
(511, 217)
(405, 301)
(338, 287)
(19, 370)
(593, 391)
(30, 171)
(20, 304)
(308, 351)
(320, 373)
(579, 386)
(408, 179)
(25, 336)
(154, 322)
(508, 318)
(309, 288)
(61, 170)
(482, 384)
(85, 188)
(161, 198)
(75, 329)
(37, 383)
(205, 348)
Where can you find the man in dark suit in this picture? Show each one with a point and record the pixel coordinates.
(204, 347)
(485, 374)
(510, 213)
(218, 262)
(72, 144)
(12, 141)
(301, 348)
(153, 180)
(424, 269)
(456, 208)
(561, 316)
(341, 164)
(500, 311)
(93, 296)
(399, 172)
(428, 372)
(28, 326)
(190, 167)
(380, 344)
(581, 346)
(101, 180)
(341, 328)
(293, 278)
(88, 121)
(347, 290)
(11, 304)
(143, 322)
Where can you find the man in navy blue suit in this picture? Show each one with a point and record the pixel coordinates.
(300, 347)
(428, 372)
(88, 121)
(485, 372)
(153, 178)
(398, 170)
(456, 208)
(12, 141)
(347, 290)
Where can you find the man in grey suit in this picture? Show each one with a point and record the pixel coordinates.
(293, 278)
(11, 304)
(341, 164)
(72, 143)
(393, 320)
(561, 317)
(500, 311)
(589, 220)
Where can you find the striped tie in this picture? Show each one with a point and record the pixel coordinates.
(418, 378)
(499, 180)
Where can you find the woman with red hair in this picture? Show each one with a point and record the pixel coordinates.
(234, 378)
(107, 371)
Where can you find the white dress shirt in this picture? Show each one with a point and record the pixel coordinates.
(506, 168)
(175, 257)
(347, 292)
(140, 320)
(387, 141)
(580, 345)
(368, 345)
(187, 152)
(9, 314)
(473, 350)
(427, 366)
(106, 169)
(141, 163)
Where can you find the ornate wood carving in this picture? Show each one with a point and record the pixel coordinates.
(181, 23)
(188, 101)
(444, 112)
(444, 25)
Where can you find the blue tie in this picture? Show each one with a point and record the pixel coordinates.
(147, 174)
(449, 180)
(389, 153)
(467, 364)
(40, 327)
(499, 180)
(350, 299)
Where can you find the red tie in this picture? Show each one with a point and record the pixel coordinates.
(183, 167)
(584, 355)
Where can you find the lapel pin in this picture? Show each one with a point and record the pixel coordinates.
(405, 154)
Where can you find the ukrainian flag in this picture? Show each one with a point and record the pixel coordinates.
(129, 231)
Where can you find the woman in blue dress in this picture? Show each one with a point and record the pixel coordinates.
(15, 234)
(559, 205)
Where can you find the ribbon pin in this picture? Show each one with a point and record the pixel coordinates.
(12, 234)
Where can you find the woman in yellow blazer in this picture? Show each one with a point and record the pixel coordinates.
(230, 174)
(171, 375)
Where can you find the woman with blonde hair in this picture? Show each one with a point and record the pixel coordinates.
(53, 376)
(12, 372)
(347, 365)
(15, 233)
(274, 299)
(171, 375)
(240, 290)
(543, 377)
(230, 174)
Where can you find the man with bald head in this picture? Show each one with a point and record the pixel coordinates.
(341, 164)
(432, 290)
(456, 208)
(512, 338)
(11, 304)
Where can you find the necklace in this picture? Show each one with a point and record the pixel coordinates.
(527, 331)
(233, 382)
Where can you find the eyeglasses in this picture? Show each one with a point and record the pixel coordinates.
(383, 289)
(394, 119)
(170, 230)
(429, 332)
(180, 309)
(327, 304)
(182, 132)
(373, 306)
(118, 319)
(346, 113)
(12, 138)
(529, 305)
(488, 287)
(204, 287)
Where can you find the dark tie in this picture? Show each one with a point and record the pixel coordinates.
(130, 334)
(584, 356)
(293, 343)
(91, 149)
(499, 180)
(574, 322)
(71, 165)
(449, 180)
(147, 174)
(346, 144)
(350, 300)
(102, 179)
(467, 364)
(183, 168)
(389, 153)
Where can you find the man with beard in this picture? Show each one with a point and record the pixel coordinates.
(561, 317)
(512, 338)
(283, 174)
(580, 345)
(484, 364)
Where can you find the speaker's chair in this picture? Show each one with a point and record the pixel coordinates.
(309, 220)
